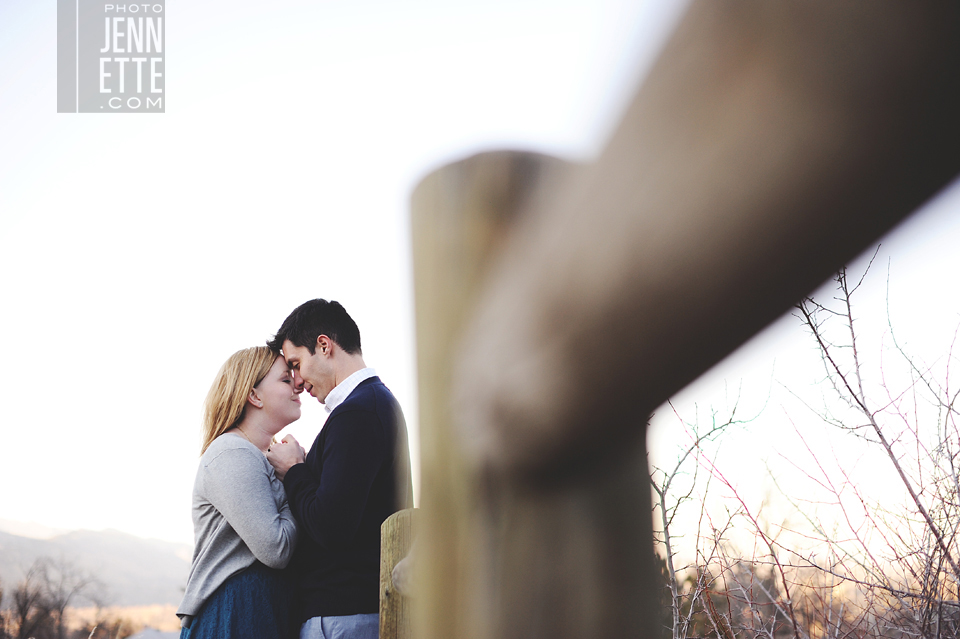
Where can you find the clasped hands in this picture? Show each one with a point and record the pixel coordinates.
(285, 454)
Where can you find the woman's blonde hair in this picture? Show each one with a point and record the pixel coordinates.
(226, 402)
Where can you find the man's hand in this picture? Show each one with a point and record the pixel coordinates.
(284, 455)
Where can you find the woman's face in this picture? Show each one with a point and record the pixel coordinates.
(281, 400)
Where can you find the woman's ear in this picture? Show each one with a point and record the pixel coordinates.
(254, 399)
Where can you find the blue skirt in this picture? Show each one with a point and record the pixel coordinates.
(254, 604)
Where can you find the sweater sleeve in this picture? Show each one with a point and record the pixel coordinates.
(239, 486)
(329, 497)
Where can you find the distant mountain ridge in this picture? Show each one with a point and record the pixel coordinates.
(30, 529)
(133, 570)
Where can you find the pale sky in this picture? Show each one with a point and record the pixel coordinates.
(137, 252)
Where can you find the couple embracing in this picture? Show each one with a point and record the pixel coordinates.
(287, 541)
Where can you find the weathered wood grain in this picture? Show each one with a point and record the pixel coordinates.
(396, 536)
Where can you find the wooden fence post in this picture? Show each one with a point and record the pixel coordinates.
(396, 535)
(461, 215)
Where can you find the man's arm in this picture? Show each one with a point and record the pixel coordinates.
(329, 500)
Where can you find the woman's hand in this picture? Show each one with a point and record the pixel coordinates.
(287, 453)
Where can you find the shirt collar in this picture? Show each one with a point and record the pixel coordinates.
(342, 390)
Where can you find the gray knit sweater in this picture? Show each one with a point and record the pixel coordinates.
(240, 515)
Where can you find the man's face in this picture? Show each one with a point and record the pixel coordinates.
(311, 372)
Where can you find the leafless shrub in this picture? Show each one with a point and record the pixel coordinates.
(41, 600)
(852, 564)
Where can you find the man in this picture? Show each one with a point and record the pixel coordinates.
(355, 475)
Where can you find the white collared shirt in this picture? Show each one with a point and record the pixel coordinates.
(342, 390)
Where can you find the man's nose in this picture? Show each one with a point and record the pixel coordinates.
(297, 381)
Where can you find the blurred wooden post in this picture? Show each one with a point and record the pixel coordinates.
(460, 216)
(770, 144)
(396, 535)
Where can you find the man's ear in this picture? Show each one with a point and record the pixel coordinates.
(324, 345)
(254, 399)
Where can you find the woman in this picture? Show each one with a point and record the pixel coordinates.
(244, 531)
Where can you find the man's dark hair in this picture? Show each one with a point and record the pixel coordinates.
(318, 317)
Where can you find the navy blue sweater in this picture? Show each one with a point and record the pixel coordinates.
(356, 474)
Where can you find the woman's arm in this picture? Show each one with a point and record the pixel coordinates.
(238, 484)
